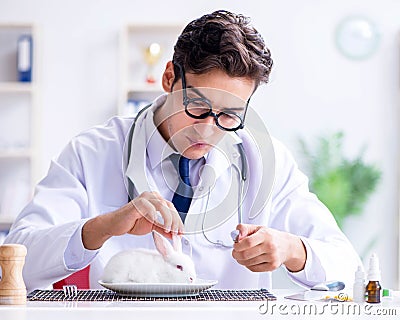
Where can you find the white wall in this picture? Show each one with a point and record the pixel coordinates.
(314, 89)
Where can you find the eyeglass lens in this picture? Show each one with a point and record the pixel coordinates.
(201, 109)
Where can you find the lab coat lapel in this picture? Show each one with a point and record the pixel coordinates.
(136, 169)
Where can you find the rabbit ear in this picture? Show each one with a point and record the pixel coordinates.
(162, 244)
(177, 243)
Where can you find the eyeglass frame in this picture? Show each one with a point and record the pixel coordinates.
(187, 101)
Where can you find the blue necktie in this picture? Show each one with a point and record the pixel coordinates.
(184, 192)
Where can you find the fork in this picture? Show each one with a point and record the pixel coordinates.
(70, 291)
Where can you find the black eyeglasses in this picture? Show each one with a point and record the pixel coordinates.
(200, 108)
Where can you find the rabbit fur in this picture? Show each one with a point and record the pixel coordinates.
(167, 264)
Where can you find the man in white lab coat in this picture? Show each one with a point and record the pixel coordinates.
(81, 214)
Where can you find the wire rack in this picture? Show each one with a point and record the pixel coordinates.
(108, 295)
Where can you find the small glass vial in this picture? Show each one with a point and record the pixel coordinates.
(373, 289)
(373, 292)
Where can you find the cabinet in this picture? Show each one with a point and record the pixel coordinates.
(18, 124)
(140, 72)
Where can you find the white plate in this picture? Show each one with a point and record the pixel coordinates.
(160, 289)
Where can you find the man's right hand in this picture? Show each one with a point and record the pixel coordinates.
(140, 216)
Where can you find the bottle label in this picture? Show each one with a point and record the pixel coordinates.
(374, 296)
(24, 62)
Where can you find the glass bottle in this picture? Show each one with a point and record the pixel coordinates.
(373, 289)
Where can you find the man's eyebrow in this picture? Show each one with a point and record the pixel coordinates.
(236, 109)
(198, 92)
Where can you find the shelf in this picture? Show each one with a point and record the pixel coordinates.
(19, 122)
(19, 87)
(154, 28)
(13, 25)
(15, 153)
(10, 33)
(135, 41)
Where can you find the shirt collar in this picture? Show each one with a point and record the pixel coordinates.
(224, 154)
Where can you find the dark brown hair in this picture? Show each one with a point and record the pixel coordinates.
(226, 41)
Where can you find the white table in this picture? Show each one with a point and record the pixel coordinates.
(226, 310)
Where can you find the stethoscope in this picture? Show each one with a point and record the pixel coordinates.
(241, 173)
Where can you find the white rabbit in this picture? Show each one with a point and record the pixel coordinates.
(166, 265)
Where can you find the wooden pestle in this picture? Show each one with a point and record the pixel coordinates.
(12, 286)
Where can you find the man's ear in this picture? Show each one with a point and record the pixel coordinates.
(168, 77)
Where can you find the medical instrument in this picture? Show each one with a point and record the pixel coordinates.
(329, 286)
(235, 235)
(319, 291)
(307, 296)
(242, 176)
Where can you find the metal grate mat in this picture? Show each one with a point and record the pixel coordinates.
(108, 295)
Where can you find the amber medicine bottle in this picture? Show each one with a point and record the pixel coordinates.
(373, 289)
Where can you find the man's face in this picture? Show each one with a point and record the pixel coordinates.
(191, 137)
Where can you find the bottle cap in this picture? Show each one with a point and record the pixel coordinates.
(359, 274)
(374, 273)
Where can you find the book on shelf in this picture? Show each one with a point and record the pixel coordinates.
(24, 58)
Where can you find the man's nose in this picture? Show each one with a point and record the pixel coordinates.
(205, 127)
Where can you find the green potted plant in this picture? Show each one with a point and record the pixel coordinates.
(343, 185)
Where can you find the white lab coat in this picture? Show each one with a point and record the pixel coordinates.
(88, 179)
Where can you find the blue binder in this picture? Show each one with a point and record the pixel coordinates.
(24, 58)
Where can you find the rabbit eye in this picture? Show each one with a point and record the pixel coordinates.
(179, 267)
